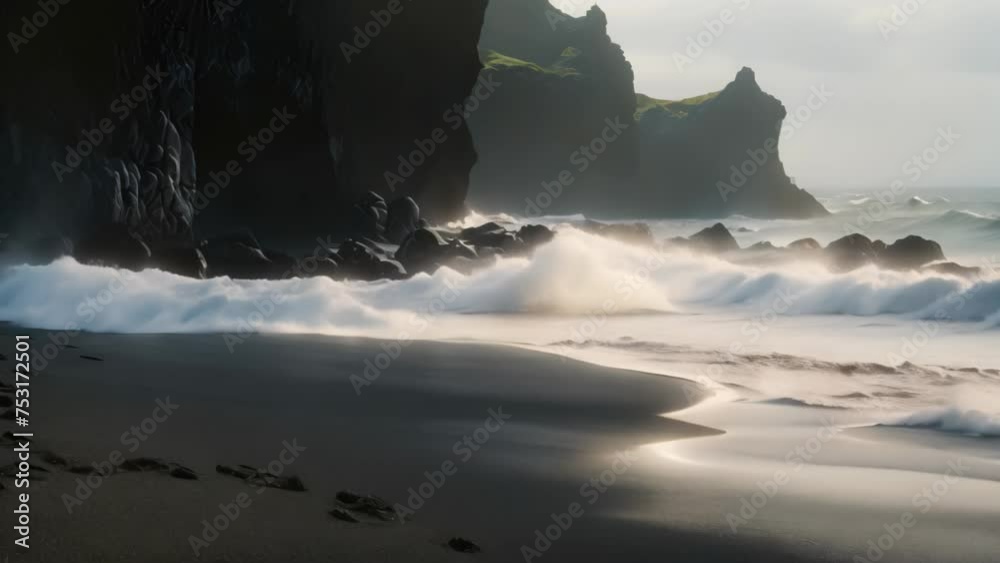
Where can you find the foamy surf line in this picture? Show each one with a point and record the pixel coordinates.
(576, 274)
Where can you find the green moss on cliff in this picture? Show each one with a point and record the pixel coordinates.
(493, 60)
(676, 108)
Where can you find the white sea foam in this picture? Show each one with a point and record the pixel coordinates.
(575, 274)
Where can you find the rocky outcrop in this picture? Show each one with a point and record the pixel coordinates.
(718, 155)
(567, 114)
(172, 118)
(560, 113)
(716, 239)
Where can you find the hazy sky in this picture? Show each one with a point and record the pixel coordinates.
(893, 88)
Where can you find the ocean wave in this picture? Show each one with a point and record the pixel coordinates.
(953, 420)
(962, 219)
(575, 274)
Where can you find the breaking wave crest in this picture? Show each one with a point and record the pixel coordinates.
(576, 274)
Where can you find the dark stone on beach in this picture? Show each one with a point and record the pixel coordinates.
(716, 239)
(143, 464)
(463, 545)
(403, 219)
(238, 472)
(345, 515)
(288, 484)
(631, 233)
(113, 246)
(911, 253)
(366, 504)
(851, 252)
(55, 459)
(258, 478)
(953, 269)
(181, 260)
(181, 472)
(807, 244)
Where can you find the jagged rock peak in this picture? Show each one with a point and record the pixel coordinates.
(746, 74)
(745, 82)
(597, 15)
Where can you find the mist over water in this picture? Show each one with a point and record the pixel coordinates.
(901, 342)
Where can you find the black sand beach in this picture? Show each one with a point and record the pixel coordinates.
(498, 440)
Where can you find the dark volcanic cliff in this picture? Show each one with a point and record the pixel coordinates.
(718, 155)
(561, 78)
(307, 103)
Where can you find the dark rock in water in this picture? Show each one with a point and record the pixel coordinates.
(283, 265)
(181, 260)
(716, 239)
(953, 269)
(113, 246)
(634, 233)
(489, 234)
(422, 249)
(488, 253)
(911, 253)
(851, 252)
(328, 267)
(805, 244)
(403, 219)
(236, 258)
(369, 215)
(463, 545)
(762, 246)
(373, 246)
(535, 235)
(345, 515)
(44, 250)
(459, 249)
(357, 261)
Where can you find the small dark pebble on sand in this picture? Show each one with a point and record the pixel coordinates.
(366, 504)
(256, 477)
(181, 472)
(463, 545)
(345, 515)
